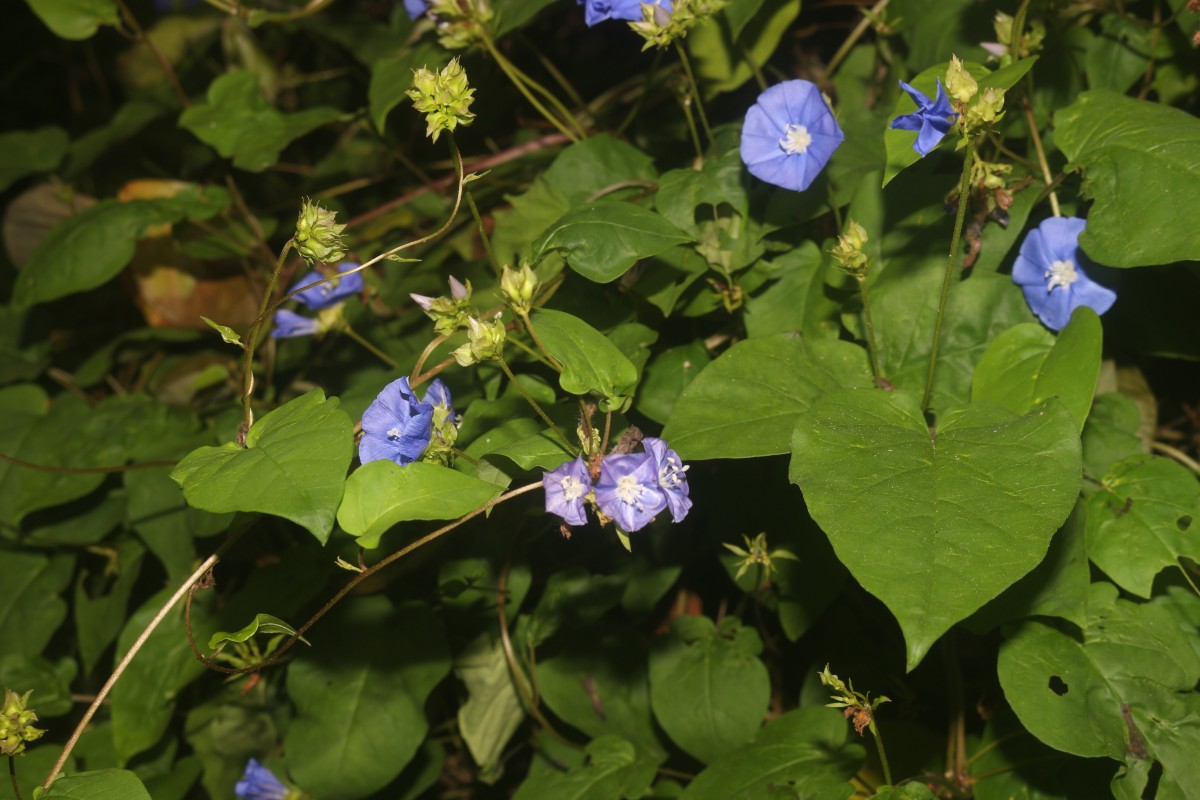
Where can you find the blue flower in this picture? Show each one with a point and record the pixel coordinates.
(931, 120)
(628, 490)
(289, 323)
(599, 10)
(331, 292)
(789, 135)
(438, 394)
(672, 476)
(1050, 271)
(259, 783)
(396, 426)
(565, 489)
(415, 8)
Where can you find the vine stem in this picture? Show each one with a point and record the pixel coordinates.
(508, 70)
(883, 762)
(483, 235)
(252, 342)
(372, 349)
(12, 777)
(1041, 154)
(536, 407)
(853, 38)
(141, 36)
(964, 188)
(184, 589)
(695, 87)
(869, 325)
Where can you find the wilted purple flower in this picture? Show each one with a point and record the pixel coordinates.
(672, 476)
(628, 490)
(438, 394)
(396, 426)
(789, 135)
(415, 8)
(289, 323)
(565, 489)
(331, 292)
(1050, 271)
(931, 120)
(595, 11)
(259, 783)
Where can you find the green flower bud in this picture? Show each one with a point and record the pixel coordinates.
(660, 26)
(987, 109)
(486, 342)
(849, 251)
(318, 237)
(460, 23)
(518, 288)
(1002, 23)
(443, 97)
(16, 724)
(449, 314)
(959, 83)
(440, 449)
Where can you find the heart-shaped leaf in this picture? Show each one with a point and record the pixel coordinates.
(591, 363)
(935, 525)
(602, 240)
(293, 466)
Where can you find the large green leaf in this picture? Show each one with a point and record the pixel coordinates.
(708, 688)
(239, 123)
(1142, 165)
(1026, 365)
(30, 606)
(1116, 691)
(804, 753)
(101, 784)
(383, 493)
(26, 152)
(797, 300)
(492, 711)
(1144, 520)
(602, 240)
(591, 363)
(745, 403)
(598, 164)
(75, 19)
(961, 514)
(98, 619)
(384, 662)
(293, 466)
(613, 769)
(88, 249)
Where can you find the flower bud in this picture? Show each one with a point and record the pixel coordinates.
(518, 288)
(16, 724)
(988, 108)
(318, 236)
(486, 342)
(1002, 24)
(849, 251)
(959, 83)
(443, 97)
(449, 314)
(444, 433)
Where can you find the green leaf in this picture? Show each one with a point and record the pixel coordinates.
(30, 606)
(573, 599)
(598, 163)
(1026, 365)
(708, 688)
(384, 662)
(156, 510)
(129, 120)
(293, 466)
(262, 623)
(383, 493)
(899, 143)
(797, 300)
(101, 784)
(88, 249)
(745, 403)
(392, 77)
(613, 769)
(806, 752)
(50, 683)
(98, 620)
(1141, 162)
(591, 363)
(239, 123)
(27, 152)
(542, 450)
(722, 64)
(602, 240)
(516, 13)
(228, 334)
(1111, 433)
(75, 19)
(493, 711)
(665, 378)
(1143, 520)
(1100, 695)
(961, 514)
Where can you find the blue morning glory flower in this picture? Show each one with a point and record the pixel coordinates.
(259, 783)
(1050, 271)
(331, 292)
(628, 490)
(289, 324)
(415, 8)
(396, 425)
(789, 135)
(931, 120)
(565, 489)
(599, 10)
(672, 476)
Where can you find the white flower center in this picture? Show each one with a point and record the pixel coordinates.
(393, 433)
(1061, 273)
(628, 491)
(796, 140)
(671, 475)
(572, 488)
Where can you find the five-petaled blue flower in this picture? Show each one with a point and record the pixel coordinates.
(672, 476)
(595, 11)
(565, 489)
(931, 120)
(1050, 271)
(415, 8)
(397, 425)
(331, 292)
(789, 135)
(628, 490)
(259, 783)
(289, 324)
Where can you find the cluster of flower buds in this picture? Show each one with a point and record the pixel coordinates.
(980, 108)
(400, 428)
(449, 314)
(857, 707)
(630, 488)
(518, 287)
(485, 342)
(444, 97)
(849, 251)
(461, 23)
(662, 24)
(757, 554)
(16, 724)
(1032, 38)
(318, 237)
